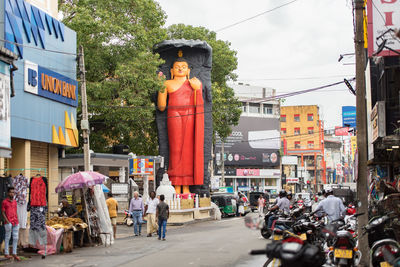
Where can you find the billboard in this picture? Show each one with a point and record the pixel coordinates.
(253, 142)
(383, 18)
(349, 116)
(342, 131)
(5, 123)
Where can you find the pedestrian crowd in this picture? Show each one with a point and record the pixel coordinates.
(154, 209)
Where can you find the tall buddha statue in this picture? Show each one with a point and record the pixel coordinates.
(185, 123)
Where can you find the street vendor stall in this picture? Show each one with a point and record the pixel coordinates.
(96, 224)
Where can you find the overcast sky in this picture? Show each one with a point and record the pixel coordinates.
(293, 48)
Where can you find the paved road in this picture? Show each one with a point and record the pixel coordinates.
(211, 243)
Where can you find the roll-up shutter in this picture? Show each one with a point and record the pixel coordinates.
(40, 158)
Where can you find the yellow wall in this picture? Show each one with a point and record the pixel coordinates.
(21, 157)
(53, 177)
(49, 6)
(290, 125)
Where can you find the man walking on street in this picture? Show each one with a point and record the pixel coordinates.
(112, 206)
(9, 212)
(150, 210)
(332, 206)
(136, 208)
(162, 216)
(261, 205)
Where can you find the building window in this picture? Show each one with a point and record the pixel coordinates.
(267, 109)
(244, 107)
(283, 118)
(297, 144)
(310, 130)
(297, 117)
(296, 131)
(310, 144)
(283, 130)
(310, 117)
(254, 108)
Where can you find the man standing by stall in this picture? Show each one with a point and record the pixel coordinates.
(112, 206)
(11, 226)
(67, 209)
(136, 208)
(150, 210)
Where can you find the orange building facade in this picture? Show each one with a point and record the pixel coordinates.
(302, 135)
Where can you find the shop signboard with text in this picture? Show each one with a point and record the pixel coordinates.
(247, 172)
(52, 85)
(349, 116)
(5, 124)
(253, 142)
(44, 108)
(383, 19)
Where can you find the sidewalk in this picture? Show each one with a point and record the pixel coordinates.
(123, 232)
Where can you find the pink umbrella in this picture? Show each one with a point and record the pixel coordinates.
(80, 180)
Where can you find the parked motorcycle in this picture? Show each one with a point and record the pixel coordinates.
(291, 251)
(384, 250)
(343, 249)
(128, 218)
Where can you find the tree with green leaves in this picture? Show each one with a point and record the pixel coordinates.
(118, 37)
(226, 107)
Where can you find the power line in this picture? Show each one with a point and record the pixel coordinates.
(259, 100)
(255, 100)
(253, 17)
(297, 78)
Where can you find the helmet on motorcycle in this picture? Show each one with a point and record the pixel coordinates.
(282, 193)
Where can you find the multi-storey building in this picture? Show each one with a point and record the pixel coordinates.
(43, 110)
(302, 135)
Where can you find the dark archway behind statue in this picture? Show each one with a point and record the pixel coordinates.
(199, 56)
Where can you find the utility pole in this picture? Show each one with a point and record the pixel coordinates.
(361, 131)
(85, 119)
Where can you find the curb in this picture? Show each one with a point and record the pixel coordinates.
(191, 222)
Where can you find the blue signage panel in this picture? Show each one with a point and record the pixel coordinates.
(349, 116)
(57, 87)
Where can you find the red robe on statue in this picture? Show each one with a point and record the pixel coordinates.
(186, 136)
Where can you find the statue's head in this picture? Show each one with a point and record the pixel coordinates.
(180, 68)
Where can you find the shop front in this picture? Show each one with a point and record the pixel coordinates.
(254, 180)
(43, 110)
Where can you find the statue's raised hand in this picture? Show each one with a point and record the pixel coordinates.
(195, 83)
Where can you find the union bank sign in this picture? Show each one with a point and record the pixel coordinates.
(49, 84)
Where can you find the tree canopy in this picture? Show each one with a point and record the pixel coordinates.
(118, 37)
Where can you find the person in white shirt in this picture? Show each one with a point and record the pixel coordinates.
(150, 210)
(332, 206)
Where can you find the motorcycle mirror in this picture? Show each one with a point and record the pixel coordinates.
(252, 221)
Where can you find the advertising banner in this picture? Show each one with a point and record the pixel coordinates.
(247, 172)
(141, 166)
(383, 18)
(349, 116)
(342, 131)
(5, 130)
(254, 142)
